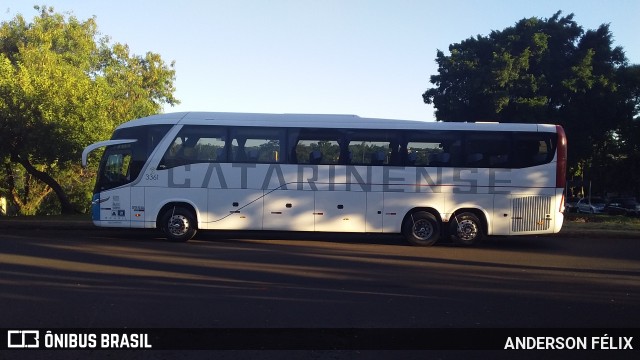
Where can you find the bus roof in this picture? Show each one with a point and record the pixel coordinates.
(322, 121)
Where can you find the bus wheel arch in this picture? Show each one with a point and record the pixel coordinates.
(422, 226)
(468, 227)
(178, 221)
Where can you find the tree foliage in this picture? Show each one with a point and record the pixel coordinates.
(63, 86)
(543, 71)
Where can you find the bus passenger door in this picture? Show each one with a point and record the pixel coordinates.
(341, 211)
(288, 210)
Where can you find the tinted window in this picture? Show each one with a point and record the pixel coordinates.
(117, 167)
(532, 149)
(487, 150)
(196, 144)
(373, 147)
(317, 146)
(257, 145)
(122, 164)
(148, 138)
(433, 148)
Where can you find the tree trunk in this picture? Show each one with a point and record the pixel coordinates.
(65, 204)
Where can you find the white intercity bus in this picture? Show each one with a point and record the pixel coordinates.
(184, 172)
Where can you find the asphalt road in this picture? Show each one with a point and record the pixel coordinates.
(114, 279)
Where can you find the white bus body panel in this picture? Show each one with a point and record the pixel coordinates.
(115, 205)
(137, 207)
(289, 210)
(375, 212)
(233, 209)
(341, 211)
(331, 207)
(331, 197)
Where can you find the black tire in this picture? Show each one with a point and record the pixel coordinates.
(466, 229)
(421, 228)
(179, 224)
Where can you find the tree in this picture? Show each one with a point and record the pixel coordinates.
(539, 71)
(63, 87)
(626, 147)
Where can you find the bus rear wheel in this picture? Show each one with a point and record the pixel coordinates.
(421, 228)
(179, 224)
(466, 229)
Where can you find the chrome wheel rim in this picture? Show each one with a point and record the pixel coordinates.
(467, 230)
(422, 229)
(178, 225)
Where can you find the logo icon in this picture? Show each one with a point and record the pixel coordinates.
(23, 339)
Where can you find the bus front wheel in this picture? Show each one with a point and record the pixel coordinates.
(179, 224)
(421, 228)
(466, 229)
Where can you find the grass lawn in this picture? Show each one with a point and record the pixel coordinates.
(587, 223)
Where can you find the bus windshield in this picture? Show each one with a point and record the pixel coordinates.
(121, 164)
(116, 169)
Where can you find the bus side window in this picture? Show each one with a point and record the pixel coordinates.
(196, 144)
(317, 147)
(315, 157)
(317, 152)
(374, 147)
(210, 149)
(424, 154)
(431, 148)
(170, 158)
(533, 149)
(487, 150)
(257, 145)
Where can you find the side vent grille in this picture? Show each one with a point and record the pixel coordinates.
(531, 213)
